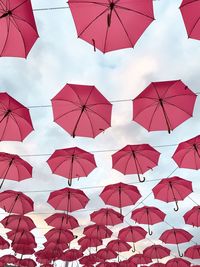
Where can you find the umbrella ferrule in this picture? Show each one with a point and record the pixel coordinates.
(6, 14)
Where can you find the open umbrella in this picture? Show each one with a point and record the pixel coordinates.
(172, 189)
(193, 252)
(118, 245)
(27, 262)
(18, 29)
(22, 237)
(192, 216)
(156, 252)
(177, 262)
(148, 215)
(89, 259)
(111, 25)
(135, 159)
(88, 242)
(176, 236)
(97, 231)
(8, 259)
(15, 120)
(82, 110)
(23, 249)
(163, 105)
(140, 259)
(106, 254)
(72, 163)
(72, 255)
(59, 236)
(157, 264)
(18, 222)
(62, 221)
(106, 216)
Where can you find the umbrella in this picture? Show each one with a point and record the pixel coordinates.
(23, 249)
(18, 28)
(68, 199)
(127, 263)
(193, 252)
(140, 259)
(12, 167)
(18, 222)
(62, 221)
(156, 252)
(72, 163)
(16, 202)
(135, 159)
(172, 189)
(47, 255)
(97, 231)
(163, 105)
(177, 262)
(51, 245)
(190, 13)
(8, 259)
(118, 245)
(192, 216)
(176, 236)
(15, 120)
(132, 234)
(59, 236)
(111, 25)
(106, 216)
(3, 243)
(187, 154)
(88, 242)
(148, 215)
(22, 237)
(71, 255)
(89, 259)
(82, 110)
(27, 262)
(106, 254)
(120, 195)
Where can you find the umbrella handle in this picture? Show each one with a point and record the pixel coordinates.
(94, 45)
(70, 182)
(149, 230)
(133, 249)
(177, 207)
(141, 180)
(179, 252)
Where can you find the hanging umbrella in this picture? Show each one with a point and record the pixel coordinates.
(3, 243)
(176, 236)
(18, 222)
(89, 259)
(16, 202)
(127, 263)
(59, 236)
(187, 154)
(97, 231)
(163, 105)
(135, 159)
(140, 259)
(172, 189)
(18, 28)
(68, 199)
(132, 234)
(82, 110)
(120, 195)
(148, 215)
(106, 254)
(193, 252)
(12, 167)
(27, 262)
(111, 25)
(106, 216)
(15, 120)
(71, 255)
(72, 163)
(62, 221)
(51, 245)
(23, 249)
(118, 245)
(22, 237)
(177, 262)
(192, 216)
(88, 242)
(156, 252)
(8, 259)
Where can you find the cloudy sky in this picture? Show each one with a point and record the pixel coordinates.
(58, 57)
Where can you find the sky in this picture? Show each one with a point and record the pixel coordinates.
(163, 53)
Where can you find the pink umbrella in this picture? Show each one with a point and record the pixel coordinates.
(156, 252)
(72, 163)
(27, 262)
(193, 252)
(18, 222)
(97, 231)
(177, 262)
(82, 110)
(3, 243)
(88, 242)
(71, 255)
(148, 215)
(23, 249)
(106, 216)
(18, 29)
(157, 264)
(135, 159)
(111, 25)
(106, 254)
(59, 244)
(163, 105)
(172, 189)
(8, 259)
(118, 245)
(22, 237)
(59, 236)
(90, 259)
(192, 216)
(140, 259)
(62, 221)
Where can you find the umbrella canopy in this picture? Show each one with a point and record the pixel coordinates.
(97, 231)
(8, 259)
(88, 242)
(187, 154)
(106, 216)
(118, 245)
(62, 221)
(140, 259)
(177, 262)
(12, 167)
(192, 216)
(193, 252)
(190, 13)
(176, 236)
(27, 262)
(3, 243)
(89, 259)
(111, 25)
(15, 120)
(156, 252)
(148, 215)
(51, 245)
(23, 249)
(71, 255)
(68, 199)
(16, 202)
(120, 195)
(135, 159)
(59, 236)
(172, 189)
(18, 28)
(72, 163)
(18, 222)
(106, 254)
(163, 105)
(82, 110)
(22, 237)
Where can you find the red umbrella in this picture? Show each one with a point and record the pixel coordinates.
(23, 249)
(177, 262)
(68, 199)
(187, 154)
(193, 252)
(192, 216)
(111, 25)
(106, 254)
(190, 13)
(172, 189)
(148, 215)
(176, 236)
(62, 221)
(135, 159)
(97, 231)
(163, 105)
(118, 245)
(51, 245)
(132, 234)
(72, 163)
(87, 242)
(71, 255)
(12, 167)
(127, 263)
(22, 237)
(156, 252)
(140, 259)
(18, 222)
(59, 236)
(8, 259)
(3, 243)
(18, 28)
(89, 259)
(15, 120)
(106, 216)
(120, 195)
(27, 262)
(16, 202)
(82, 110)
(47, 255)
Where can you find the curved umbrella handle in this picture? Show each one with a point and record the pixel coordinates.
(70, 182)
(141, 180)
(149, 230)
(179, 252)
(177, 207)
(133, 249)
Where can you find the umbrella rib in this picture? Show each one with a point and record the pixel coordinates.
(8, 32)
(86, 113)
(106, 37)
(135, 11)
(187, 152)
(25, 21)
(19, 5)
(192, 1)
(153, 114)
(139, 152)
(17, 126)
(127, 162)
(66, 113)
(77, 160)
(4, 130)
(168, 103)
(3, 5)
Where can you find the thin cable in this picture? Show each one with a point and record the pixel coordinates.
(193, 200)
(50, 8)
